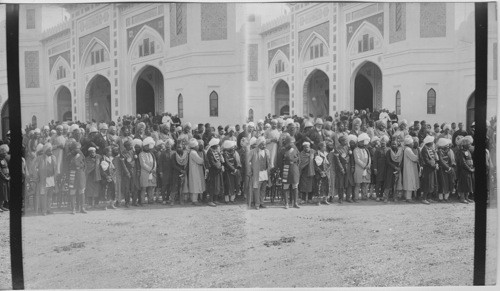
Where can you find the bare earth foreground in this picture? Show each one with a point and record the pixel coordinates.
(5, 276)
(366, 244)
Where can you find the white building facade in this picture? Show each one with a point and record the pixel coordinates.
(108, 60)
(411, 58)
(212, 62)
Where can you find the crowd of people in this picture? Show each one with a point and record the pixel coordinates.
(147, 159)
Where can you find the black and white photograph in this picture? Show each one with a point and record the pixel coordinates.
(249, 145)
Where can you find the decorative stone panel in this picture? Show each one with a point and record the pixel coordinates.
(181, 38)
(156, 24)
(253, 62)
(213, 21)
(31, 67)
(321, 29)
(397, 22)
(53, 59)
(432, 20)
(270, 54)
(377, 20)
(102, 34)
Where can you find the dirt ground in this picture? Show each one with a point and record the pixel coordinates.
(365, 244)
(5, 275)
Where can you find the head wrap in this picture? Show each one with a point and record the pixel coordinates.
(364, 138)
(202, 143)
(260, 121)
(428, 139)
(356, 121)
(169, 141)
(261, 140)
(187, 124)
(289, 121)
(148, 141)
(442, 142)
(352, 137)
(384, 138)
(231, 128)
(59, 127)
(228, 144)
(307, 123)
(267, 126)
(39, 147)
(127, 141)
(93, 129)
(53, 132)
(37, 130)
(408, 140)
(403, 122)
(394, 125)
(91, 149)
(178, 128)
(375, 138)
(137, 142)
(466, 140)
(306, 143)
(103, 126)
(74, 127)
(319, 121)
(46, 127)
(213, 141)
(159, 142)
(342, 138)
(74, 145)
(193, 143)
(141, 125)
(251, 124)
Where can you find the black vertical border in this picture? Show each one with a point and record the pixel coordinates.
(15, 203)
(479, 156)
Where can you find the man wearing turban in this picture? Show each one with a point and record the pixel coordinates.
(465, 170)
(46, 173)
(430, 166)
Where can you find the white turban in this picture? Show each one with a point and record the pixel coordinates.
(308, 124)
(159, 142)
(46, 127)
(447, 126)
(384, 138)
(442, 142)
(251, 124)
(39, 147)
(466, 140)
(253, 140)
(403, 122)
(375, 138)
(408, 140)
(428, 139)
(91, 149)
(260, 140)
(228, 144)
(148, 141)
(137, 142)
(364, 138)
(169, 141)
(319, 121)
(103, 126)
(351, 137)
(193, 143)
(306, 143)
(289, 121)
(93, 129)
(213, 141)
(74, 127)
(37, 130)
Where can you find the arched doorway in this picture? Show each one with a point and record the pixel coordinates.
(281, 97)
(471, 104)
(367, 85)
(363, 94)
(63, 104)
(98, 99)
(149, 91)
(5, 119)
(316, 94)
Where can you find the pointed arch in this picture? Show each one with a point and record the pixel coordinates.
(364, 28)
(62, 103)
(313, 36)
(89, 47)
(60, 62)
(145, 30)
(214, 104)
(279, 56)
(180, 106)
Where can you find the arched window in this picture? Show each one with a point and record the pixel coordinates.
(250, 115)
(398, 103)
(180, 106)
(431, 101)
(214, 104)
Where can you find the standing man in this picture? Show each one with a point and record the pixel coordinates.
(430, 166)
(460, 131)
(77, 179)
(214, 162)
(260, 160)
(4, 178)
(47, 171)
